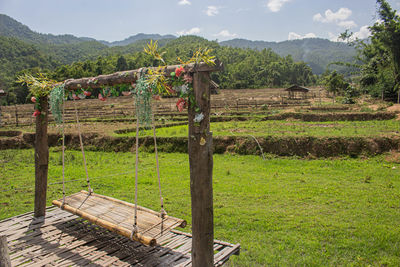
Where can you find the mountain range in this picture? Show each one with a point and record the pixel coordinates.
(318, 53)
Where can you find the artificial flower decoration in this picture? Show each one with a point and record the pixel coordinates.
(87, 93)
(126, 93)
(101, 98)
(179, 71)
(74, 96)
(36, 113)
(181, 104)
(33, 99)
(188, 78)
(170, 90)
(198, 117)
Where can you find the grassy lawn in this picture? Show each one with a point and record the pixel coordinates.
(289, 128)
(283, 211)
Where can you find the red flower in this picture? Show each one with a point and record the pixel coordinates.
(188, 78)
(87, 93)
(33, 99)
(75, 97)
(179, 71)
(36, 113)
(181, 104)
(101, 98)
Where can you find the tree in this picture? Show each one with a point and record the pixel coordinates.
(386, 32)
(121, 64)
(335, 83)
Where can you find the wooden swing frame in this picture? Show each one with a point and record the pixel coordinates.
(199, 149)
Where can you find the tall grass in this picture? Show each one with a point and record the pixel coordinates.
(283, 211)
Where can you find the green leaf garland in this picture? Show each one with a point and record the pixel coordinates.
(56, 103)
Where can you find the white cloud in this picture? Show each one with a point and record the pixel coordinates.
(184, 2)
(339, 18)
(334, 37)
(276, 5)
(347, 24)
(226, 34)
(212, 11)
(294, 36)
(330, 16)
(363, 33)
(194, 30)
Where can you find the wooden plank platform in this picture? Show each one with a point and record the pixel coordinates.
(64, 239)
(118, 216)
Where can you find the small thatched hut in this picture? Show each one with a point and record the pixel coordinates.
(297, 92)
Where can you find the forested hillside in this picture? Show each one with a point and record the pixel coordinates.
(318, 53)
(15, 56)
(12, 28)
(247, 64)
(244, 68)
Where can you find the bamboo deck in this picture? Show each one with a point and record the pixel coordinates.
(118, 216)
(64, 239)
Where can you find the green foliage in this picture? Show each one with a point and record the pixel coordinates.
(143, 94)
(335, 82)
(57, 96)
(380, 55)
(39, 86)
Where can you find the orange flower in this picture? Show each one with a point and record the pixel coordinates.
(179, 71)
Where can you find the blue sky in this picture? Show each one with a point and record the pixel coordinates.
(268, 20)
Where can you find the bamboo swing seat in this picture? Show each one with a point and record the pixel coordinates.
(118, 216)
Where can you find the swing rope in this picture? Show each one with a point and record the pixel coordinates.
(163, 213)
(81, 144)
(63, 150)
(135, 228)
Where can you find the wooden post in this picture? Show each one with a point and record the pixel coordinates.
(41, 159)
(16, 116)
(5, 260)
(201, 165)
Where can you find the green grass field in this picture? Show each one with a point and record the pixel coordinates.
(283, 211)
(289, 128)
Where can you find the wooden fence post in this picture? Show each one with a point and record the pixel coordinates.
(201, 166)
(16, 116)
(5, 260)
(41, 159)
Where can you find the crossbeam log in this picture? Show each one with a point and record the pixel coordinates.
(130, 76)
